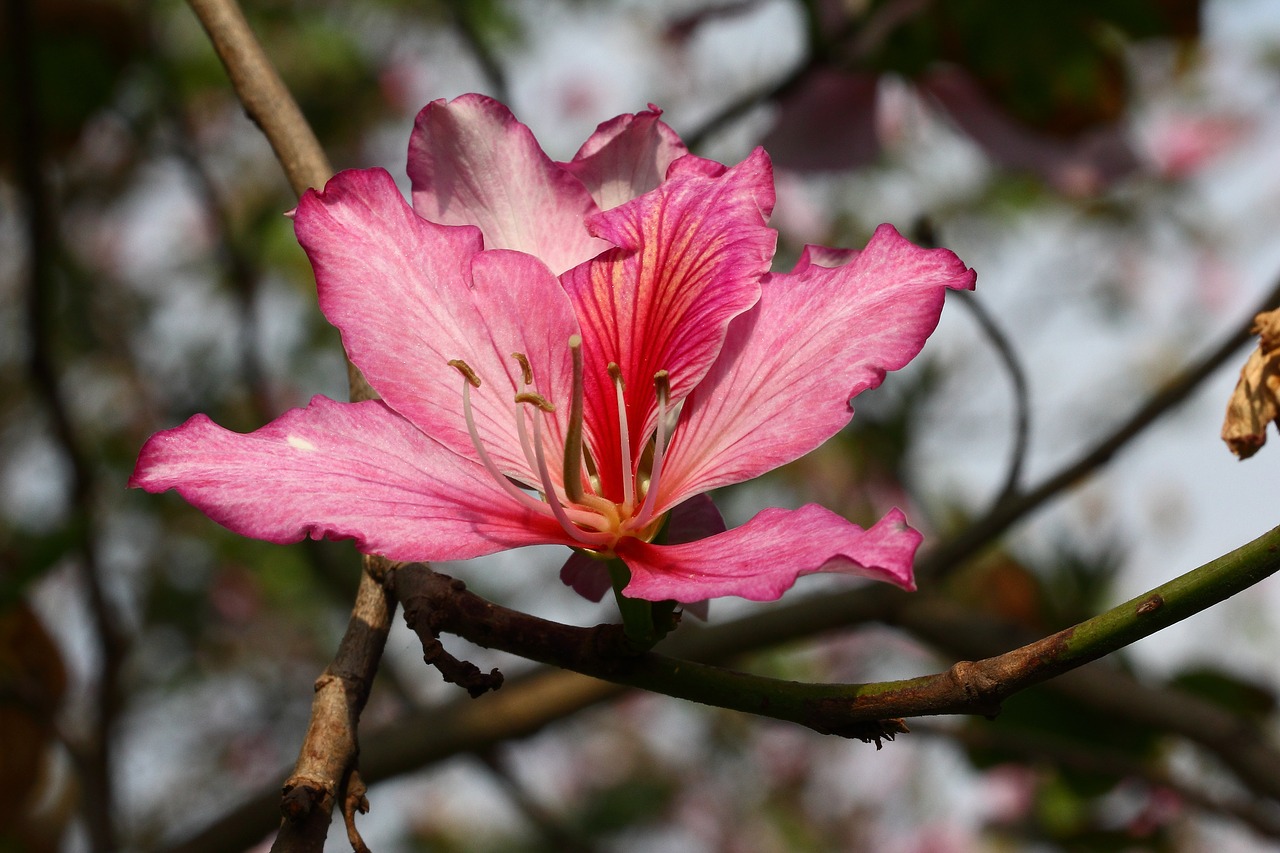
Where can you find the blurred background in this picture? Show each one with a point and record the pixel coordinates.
(1110, 167)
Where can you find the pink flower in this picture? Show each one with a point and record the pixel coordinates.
(569, 353)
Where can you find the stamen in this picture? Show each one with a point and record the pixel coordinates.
(628, 476)
(586, 537)
(511, 488)
(535, 399)
(573, 438)
(662, 383)
(465, 369)
(526, 372)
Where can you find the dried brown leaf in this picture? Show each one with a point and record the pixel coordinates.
(1256, 400)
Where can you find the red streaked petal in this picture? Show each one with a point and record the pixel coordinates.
(472, 163)
(689, 258)
(789, 366)
(409, 295)
(626, 157)
(762, 559)
(341, 471)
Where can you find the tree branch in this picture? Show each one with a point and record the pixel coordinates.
(435, 603)
(324, 775)
(263, 94)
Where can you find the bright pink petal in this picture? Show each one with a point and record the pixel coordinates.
(626, 157)
(343, 471)
(762, 559)
(472, 163)
(690, 256)
(409, 295)
(789, 367)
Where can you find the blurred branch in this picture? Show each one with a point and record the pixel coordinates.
(1021, 396)
(1075, 755)
(94, 756)
(463, 14)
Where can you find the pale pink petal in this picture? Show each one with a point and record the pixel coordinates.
(789, 366)
(762, 559)
(409, 295)
(342, 471)
(690, 256)
(626, 157)
(472, 163)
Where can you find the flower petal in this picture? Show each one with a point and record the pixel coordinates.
(472, 163)
(626, 157)
(762, 559)
(690, 256)
(586, 575)
(341, 470)
(409, 295)
(789, 367)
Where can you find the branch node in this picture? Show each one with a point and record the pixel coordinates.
(300, 796)
(978, 686)
(1150, 604)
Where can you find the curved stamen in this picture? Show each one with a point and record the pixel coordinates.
(470, 380)
(624, 435)
(573, 439)
(526, 371)
(662, 383)
(586, 537)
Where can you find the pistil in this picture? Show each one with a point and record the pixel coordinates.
(662, 384)
(624, 437)
(573, 437)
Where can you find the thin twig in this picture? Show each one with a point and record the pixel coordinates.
(1001, 517)
(1021, 394)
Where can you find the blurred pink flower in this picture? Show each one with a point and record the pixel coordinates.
(569, 353)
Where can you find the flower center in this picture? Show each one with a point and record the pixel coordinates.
(577, 505)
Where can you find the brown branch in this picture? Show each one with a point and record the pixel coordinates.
(263, 94)
(323, 776)
(325, 771)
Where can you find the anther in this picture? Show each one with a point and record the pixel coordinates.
(573, 437)
(465, 369)
(526, 372)
(536, 399)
